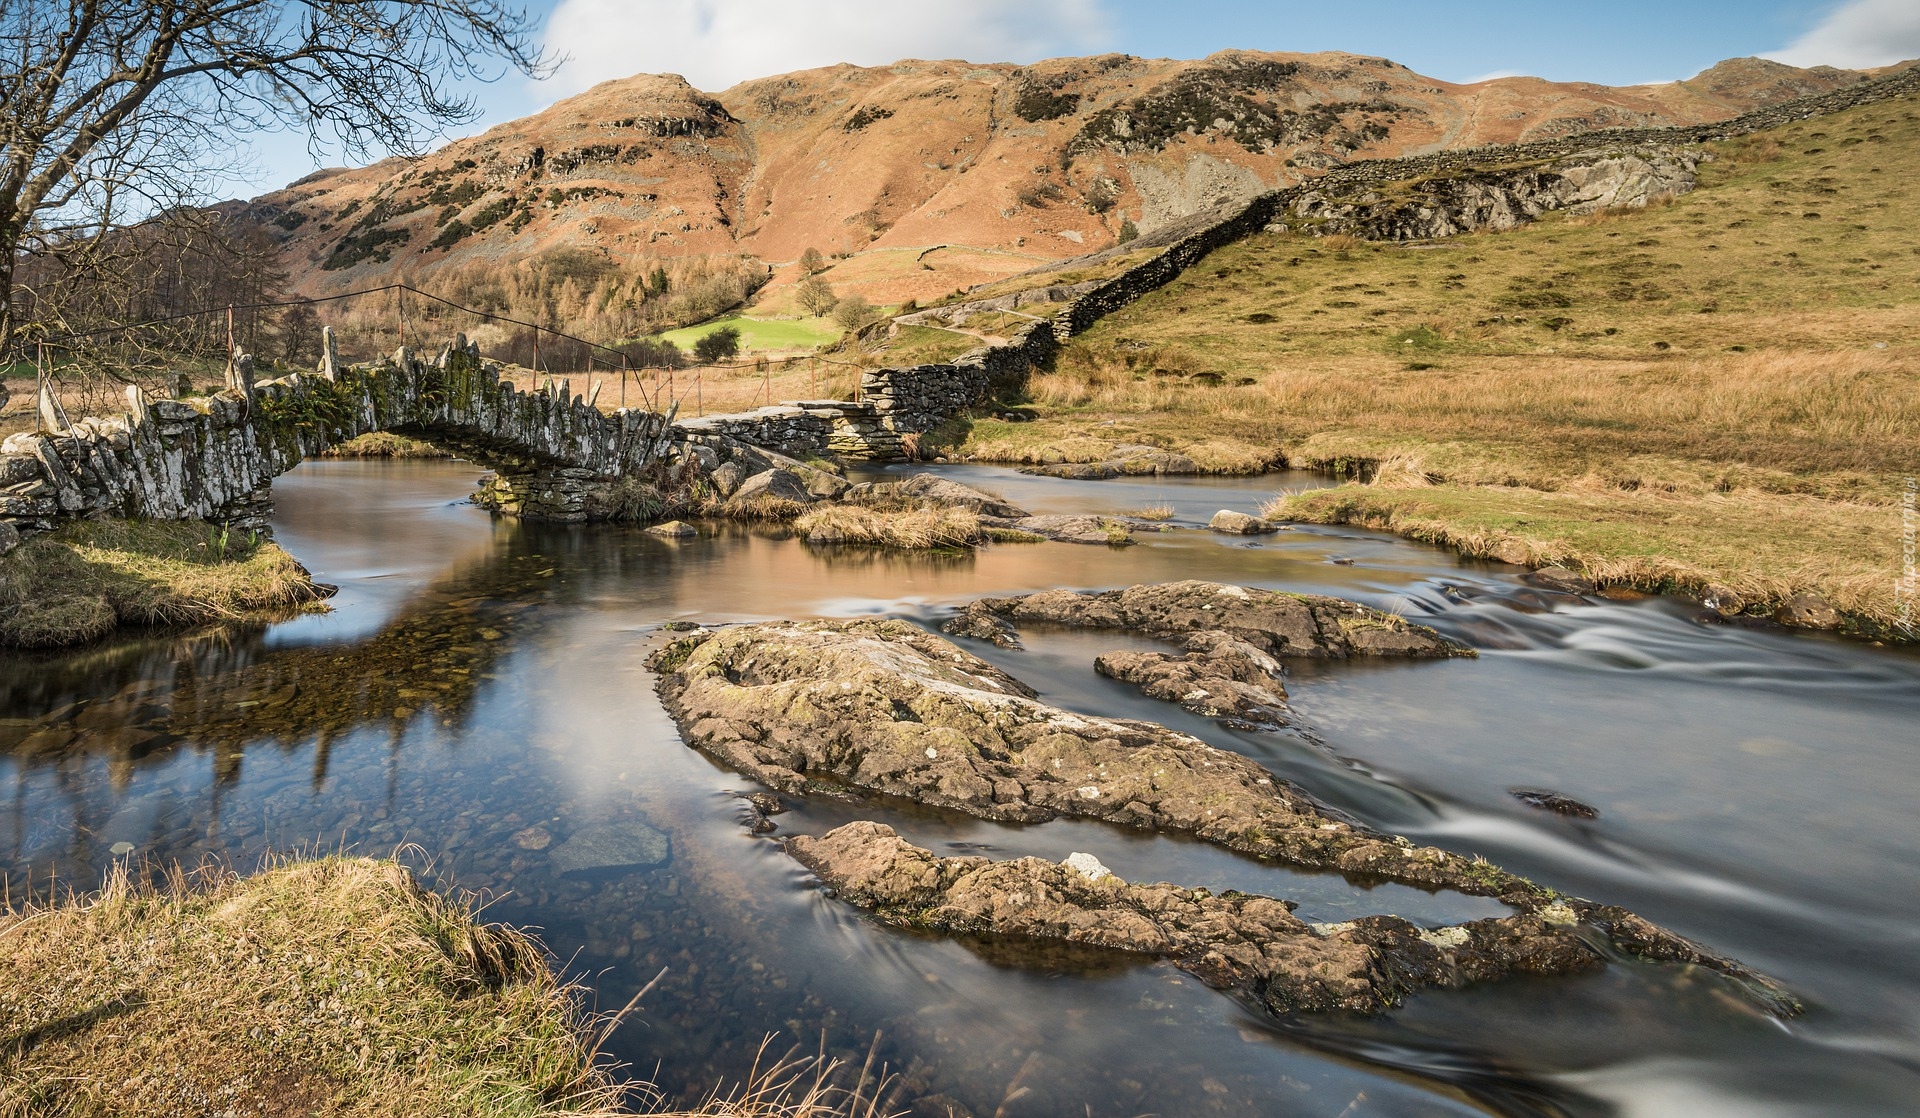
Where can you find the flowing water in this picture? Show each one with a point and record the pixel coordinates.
(480, 680)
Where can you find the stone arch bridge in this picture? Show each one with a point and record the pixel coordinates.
(214, 457)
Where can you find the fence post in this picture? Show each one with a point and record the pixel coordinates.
(329, 354)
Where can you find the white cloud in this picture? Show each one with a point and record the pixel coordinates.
(1495, 75)
(1859, 34)
(716, 43)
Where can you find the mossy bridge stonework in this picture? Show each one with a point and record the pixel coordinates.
(214, 458)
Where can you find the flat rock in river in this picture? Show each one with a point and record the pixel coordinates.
(1218, 675)
(1251, 944)
(1280, 624)
(1069, 529)
(886, 706)
(1231, 637)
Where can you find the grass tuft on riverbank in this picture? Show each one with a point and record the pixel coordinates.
(1716, 392)
(934, 526)
(336, 986)
(384, 444)
(80, 582)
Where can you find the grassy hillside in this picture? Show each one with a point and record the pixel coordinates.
(1718, 391)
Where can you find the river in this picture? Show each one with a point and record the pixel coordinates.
(478, 680)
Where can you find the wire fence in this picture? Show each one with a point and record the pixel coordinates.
(660, 384)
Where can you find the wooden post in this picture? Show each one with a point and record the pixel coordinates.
(42, 402)
(53, 415)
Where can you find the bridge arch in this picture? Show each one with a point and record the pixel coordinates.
(215, 457)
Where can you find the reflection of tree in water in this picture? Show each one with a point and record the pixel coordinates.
(115, 710)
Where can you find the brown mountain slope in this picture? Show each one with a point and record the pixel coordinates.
(1000, 166)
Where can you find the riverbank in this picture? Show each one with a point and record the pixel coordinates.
(334, 986)
(1713, 395)
(75, 585)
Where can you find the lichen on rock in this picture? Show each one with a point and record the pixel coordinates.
(1231, 639)
(1252, 945)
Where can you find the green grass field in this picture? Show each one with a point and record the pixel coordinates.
(763, 335)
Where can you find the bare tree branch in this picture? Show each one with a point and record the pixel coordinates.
(112, 110)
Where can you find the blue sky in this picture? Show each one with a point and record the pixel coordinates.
(716, 43)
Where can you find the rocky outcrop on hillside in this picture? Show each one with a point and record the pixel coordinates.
(1496, 199)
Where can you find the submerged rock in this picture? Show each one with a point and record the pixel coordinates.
(1249, 944)
(1548, 800)
(607, 846)
(674, 529)
(1561, 579)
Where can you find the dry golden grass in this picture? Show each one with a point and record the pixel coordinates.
(384, 444)
(1838, 423)
(1716, 389)
(913, 528)
(1152, 512)
(79, 583)
(330, 987)
(333, 987)
(1763, 549)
